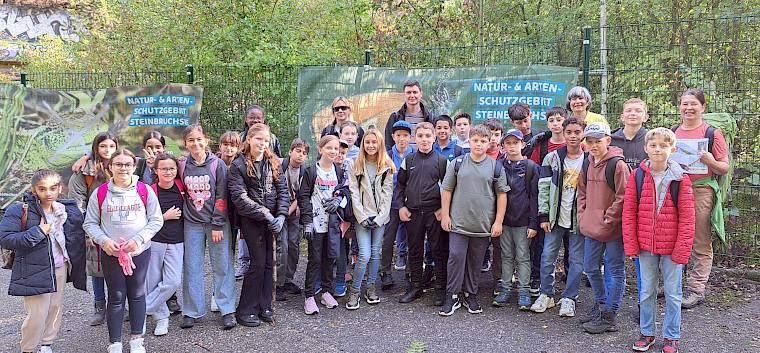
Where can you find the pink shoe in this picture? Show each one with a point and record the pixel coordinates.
(310, 306)
(328, 301)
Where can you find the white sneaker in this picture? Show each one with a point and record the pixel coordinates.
(136, 345)
(162, 327)
(542, 303)
(45, 349)
(214, 307)
(566, 307)
(114, 347)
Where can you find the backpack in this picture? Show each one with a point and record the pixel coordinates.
(609, 170)
(675, 187)
(727, 125)
(442, 163)
(496, 170)
(142, 191)
(8, 255)
(180, 187)
(540, 141)
(213, 167)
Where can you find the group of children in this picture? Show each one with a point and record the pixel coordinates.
(522, 193)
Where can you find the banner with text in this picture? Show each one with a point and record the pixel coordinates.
(484, 92)
(52, 129)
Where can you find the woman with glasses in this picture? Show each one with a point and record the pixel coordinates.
(122, 217)
(164, 276)
(341, 110)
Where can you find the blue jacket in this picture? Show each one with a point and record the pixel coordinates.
(522, 198)
(33, 269)
(451, 151)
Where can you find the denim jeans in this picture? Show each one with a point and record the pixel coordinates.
(370, 242)
(401, 240)
(651, 265)
(515, 254)
(197, 238)
(99, 288)
(614, 263)
(552, 242)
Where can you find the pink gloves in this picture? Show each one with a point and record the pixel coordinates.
(125, 258)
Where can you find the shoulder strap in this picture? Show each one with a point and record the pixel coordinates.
(584, 168)
(142, 191)
(155, 188)
(24, 215)
(639, 183)
(674, 127)
(182, 164)
(458, 164)
(442, 162)
(457, 150)
(543, 150)
(675, 188)
(102, 192)
(385, 174)
(609, 171)
(528, 171)
(497, 167)
(214, 166)
(710, 134)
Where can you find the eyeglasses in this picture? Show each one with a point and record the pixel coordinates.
(167, 170)
(123, 165)
(340, 107)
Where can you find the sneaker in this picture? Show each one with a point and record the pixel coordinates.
(691, 300)
(187, 322)
(354, 296)
(136, 345)
(486, 266)
(310, 306)
(214, 307)
(566, 307)
(523, 300)
(643, 344)
(498, 288)
(591, 314)
(450, 305)
(472, 304)
(542, 303)
(606, 322)
(340, 289)
(386, 281)
(279, 294)
(671, 346)
(501, 299)
(291, 288)
(328, 301)
(115, 348)
(400, 263)
(535, 288)
(228, 321)
(45, 349)
(173, 305)
(371, 295)
(162, 327)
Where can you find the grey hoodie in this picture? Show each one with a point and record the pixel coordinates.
(124, 216)
(674, 172)
(633, 150)
(206, 198)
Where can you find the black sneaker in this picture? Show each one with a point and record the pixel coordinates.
(279, 294)
(187, 322)
(292, 288)
(472, 304)
(450, 305)
(386, 281)
(249, 320)
(228, 321)
(267, 315)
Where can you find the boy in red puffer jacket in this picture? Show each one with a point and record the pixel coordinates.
(658, 228)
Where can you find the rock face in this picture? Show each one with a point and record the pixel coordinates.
(22, 24)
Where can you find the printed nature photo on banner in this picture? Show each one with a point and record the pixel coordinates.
(51, 129)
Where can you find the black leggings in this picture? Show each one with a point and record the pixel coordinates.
(256, 294)
(121, 288)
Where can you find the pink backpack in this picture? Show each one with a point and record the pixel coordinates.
(142, 190)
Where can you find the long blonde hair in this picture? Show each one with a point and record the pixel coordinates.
(383, 160)
(274, 161)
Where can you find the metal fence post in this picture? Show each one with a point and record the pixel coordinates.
(190, 72)
(367, 57)
(586, 54)
(24, 80)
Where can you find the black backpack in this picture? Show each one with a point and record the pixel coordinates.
(496, 170)
(675, 187)
(609, 170)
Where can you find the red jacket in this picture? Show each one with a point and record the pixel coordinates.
(671, 232)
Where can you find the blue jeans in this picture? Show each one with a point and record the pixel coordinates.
(99, 289)
(401, 240)
(614, 263)
(650, 265)
(552, 242)
(370, 242)
(197, 237)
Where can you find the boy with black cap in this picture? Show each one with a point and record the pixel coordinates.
(521, 220)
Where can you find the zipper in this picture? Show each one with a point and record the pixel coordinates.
(50, 250)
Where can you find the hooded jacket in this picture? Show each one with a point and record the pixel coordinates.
(550, 189)
(371, 198)
(301, 170)
(419, 177)
(401, 115)
(522, 198)
(633, 150)
(206, 200)
(33, 269)
(255, 197)
(124, 215)
(600, 209)
(669, 231)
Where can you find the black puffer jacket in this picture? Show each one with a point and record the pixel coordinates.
(254, 197)
(33, 270)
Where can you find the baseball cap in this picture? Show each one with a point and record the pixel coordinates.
(402, 125)
(514, 133)
(343, 143)
(596, 130)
